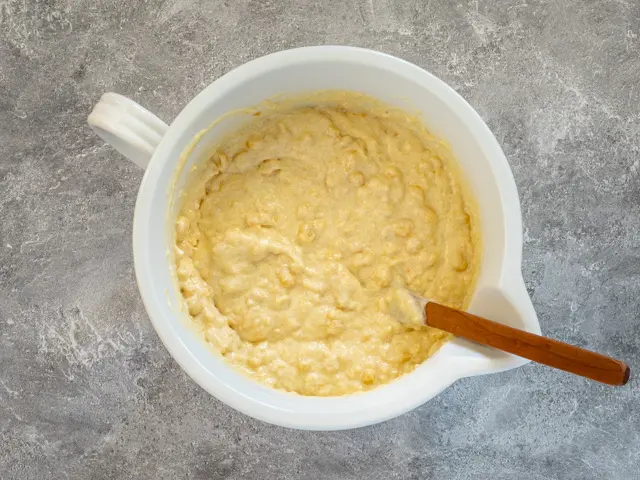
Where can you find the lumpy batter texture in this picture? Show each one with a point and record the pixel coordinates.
(302, 231)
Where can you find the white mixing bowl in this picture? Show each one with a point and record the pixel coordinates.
(146, 140)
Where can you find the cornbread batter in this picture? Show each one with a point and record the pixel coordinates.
(301, 229)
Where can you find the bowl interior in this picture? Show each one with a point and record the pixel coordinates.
(392, 81)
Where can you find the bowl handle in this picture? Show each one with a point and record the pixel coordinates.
(129, 128)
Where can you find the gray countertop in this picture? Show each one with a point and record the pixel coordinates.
(86, 388)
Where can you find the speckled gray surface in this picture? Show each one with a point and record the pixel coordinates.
(86, 388)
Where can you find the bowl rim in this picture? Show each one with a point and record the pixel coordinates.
(511, 278)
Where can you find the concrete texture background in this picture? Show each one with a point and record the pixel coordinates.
(86, 388)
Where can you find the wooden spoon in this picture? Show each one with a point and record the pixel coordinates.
(524, 344)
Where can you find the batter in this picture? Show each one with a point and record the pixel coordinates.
(301, 229)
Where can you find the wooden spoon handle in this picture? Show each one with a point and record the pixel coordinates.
(528, 345)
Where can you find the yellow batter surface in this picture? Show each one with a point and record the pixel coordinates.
(302, 231)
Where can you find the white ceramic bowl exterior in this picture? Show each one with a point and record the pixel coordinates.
(500, 293)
